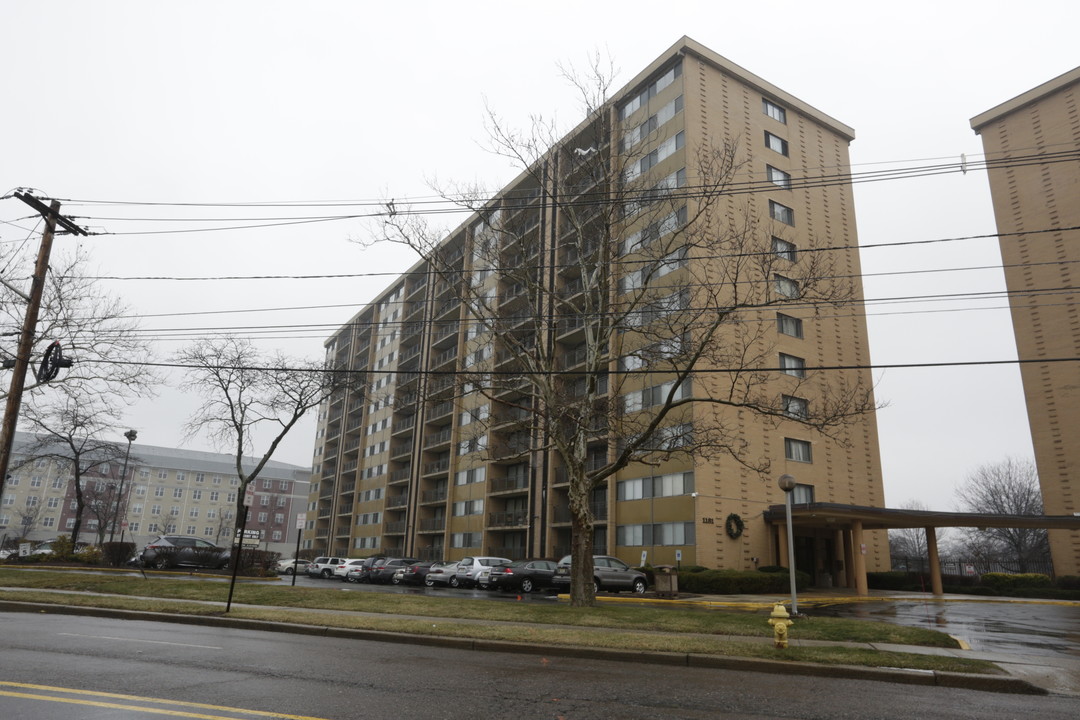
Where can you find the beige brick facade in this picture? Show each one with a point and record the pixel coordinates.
(1031, 145)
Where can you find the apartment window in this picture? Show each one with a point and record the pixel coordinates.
(475, 444)
(262, 518)
(155, 509)
(31, 500)
(276, 535)
(467, 477)
(35, 481)
(159, 491)
(211, 514)
(57, 483)
(264, 500)
(784, 249)
(665, 150)
(279, 518)
(49, 522)
(191, 529)
(797, 450)
(281, 501)
(284, 484)
(70, 523)
(465, 540)
(781, 213)
(180, 477)
(774, 111)
(656, 486)
(468, 507)
(785, 286)
(656, 395)
(267, 483)
(162, 475)
(231, 497)
(178, 493)
(776, 143)
(133, 527)
(136, 509)
(217, 480)
(791, 365)
(53, 503)
(140, 490)
(196, 494)
(778, 177)
(787, 325)
(199, 477)
(214, 495)
(636, 134)
(795, 407)
(802, 494)
(193, 512)
(674, 533)
(174, 510)
(641, 99)
(9, 500)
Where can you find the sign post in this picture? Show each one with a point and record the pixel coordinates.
(301, 520)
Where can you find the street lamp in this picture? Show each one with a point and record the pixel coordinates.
(787, 484)
(130, 435)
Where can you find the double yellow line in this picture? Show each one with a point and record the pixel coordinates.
(92, 698)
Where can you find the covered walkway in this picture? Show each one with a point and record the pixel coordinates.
(837, 531)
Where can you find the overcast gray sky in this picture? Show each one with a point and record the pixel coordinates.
(212, 102)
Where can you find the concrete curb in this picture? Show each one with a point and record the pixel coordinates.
(985, 683)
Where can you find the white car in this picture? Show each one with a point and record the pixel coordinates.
(469, 569)
(341, 571)
(288, 567)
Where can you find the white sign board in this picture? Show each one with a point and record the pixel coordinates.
(301, 520)
(644, 555)
(678, 556)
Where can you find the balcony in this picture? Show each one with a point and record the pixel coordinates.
(508, 518)
(432, 524)
(401, 450)
(439, 466)
(432, 440)
(396, 527)
(400, 475)
(440, 410)
(510, 484)
(444, 357)
(449, 330)
(397, 501)
(430, 554)
(561, 514)
(434, 496)
(403, 425)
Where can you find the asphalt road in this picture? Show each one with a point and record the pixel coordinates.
(50, 662)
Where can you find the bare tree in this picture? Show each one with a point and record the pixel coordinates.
(1009, 487)
(28, 517)
(249, 396)
(617, 317)
(72, 428)
(95, 329)
(911, 542)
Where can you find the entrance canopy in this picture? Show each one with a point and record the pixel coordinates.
(836, 516)
(849, 522)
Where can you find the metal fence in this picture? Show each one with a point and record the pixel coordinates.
(972, 567)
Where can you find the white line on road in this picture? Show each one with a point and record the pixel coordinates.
(153, 642)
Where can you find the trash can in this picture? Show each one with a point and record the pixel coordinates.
(667, 582)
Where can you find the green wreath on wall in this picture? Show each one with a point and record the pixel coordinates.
(734, 526)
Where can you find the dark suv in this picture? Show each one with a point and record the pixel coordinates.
(609, 573)
(184, 551)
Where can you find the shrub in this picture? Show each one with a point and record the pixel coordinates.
(116, 554)
(63, 548)
(90, 555)
(1006, 581)
(1068, 582)
(738, 582)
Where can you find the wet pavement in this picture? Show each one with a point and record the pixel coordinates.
(1027, 628)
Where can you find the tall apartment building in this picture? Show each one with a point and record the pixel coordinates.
(166, 490)
(1032, 146)
(423, 463)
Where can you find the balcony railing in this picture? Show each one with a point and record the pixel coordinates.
(396, 527)
(397, 501)
(508, 484)
(399, 475)
(508, 518)
(439, 438)
(432, 524)
(434, 496)
(439, 466)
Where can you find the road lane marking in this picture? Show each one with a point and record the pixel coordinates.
(152, 642)
(141, 699)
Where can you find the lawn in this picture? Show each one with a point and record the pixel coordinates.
(620, 626)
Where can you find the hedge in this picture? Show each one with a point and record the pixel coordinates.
(739, 582)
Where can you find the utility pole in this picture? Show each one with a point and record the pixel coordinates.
(52, 217)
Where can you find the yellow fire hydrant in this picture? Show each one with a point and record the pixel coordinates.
(780, 621)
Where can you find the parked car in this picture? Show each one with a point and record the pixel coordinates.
(341, 570)
(184, 551)
(287, 567)
(609, 573)
(412, 574)
(440, 573)
(483, 578)
(468, 569)
(384, 571)
(523, 575)
(361, 571)
(323, 567)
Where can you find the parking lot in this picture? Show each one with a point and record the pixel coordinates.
(303, 580)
